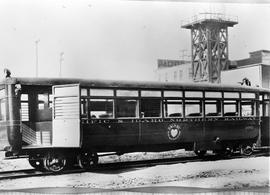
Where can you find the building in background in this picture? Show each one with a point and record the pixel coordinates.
(256, 69)
(174, 71)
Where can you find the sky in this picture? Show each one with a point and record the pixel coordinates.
(119, 40)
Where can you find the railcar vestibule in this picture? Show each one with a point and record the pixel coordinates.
(36, 115)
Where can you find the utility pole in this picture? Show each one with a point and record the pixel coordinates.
(36, 42)
(61, 59)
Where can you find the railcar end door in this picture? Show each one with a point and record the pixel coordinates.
(66, 116)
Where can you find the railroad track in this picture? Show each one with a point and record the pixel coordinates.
(5, 175)
(19, 174)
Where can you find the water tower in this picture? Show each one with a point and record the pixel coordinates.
(209, 45)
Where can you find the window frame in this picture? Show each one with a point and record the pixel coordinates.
(164, 104)
(218, 101)
(3, 102)
(231, 98)
(161, 114)
(100, 98)
(201, 107)
(137, 109)
(264, 102)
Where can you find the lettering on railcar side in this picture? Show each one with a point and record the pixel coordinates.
(171, 120)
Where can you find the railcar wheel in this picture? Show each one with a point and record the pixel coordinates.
(247, 150)
(87, 160)
(36, 163)
(200, 153)
(55, 162)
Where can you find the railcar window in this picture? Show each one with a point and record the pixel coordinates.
(213, 94)
(2, 105)
(127, 108)
(24, 97)
(101, 108)
(212, 108)
(83, 92)
(266, 108)
(266, 105)
(151, 107)
(2, 93)
(130, 93)
(261, 105)
(193, 108)
(101, 92)
(231, 95)
(151, 93)
(24, 107)
(261, 109)
(41, 101)
(3, 109)
(231, 108)
(248, 108)
(194, 94)
(84, 108)
(50, 100)
(173, 108)
(173, 94)
(44, 101)
(248, 95)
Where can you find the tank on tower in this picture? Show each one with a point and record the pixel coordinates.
(209, 45)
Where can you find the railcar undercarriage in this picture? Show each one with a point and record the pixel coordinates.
(59, 159)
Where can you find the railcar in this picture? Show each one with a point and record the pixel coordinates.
(59, 122)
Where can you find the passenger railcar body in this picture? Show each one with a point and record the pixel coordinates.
(62, 121)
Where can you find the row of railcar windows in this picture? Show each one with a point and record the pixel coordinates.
(107, 103)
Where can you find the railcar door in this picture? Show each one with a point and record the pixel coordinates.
(66, 116)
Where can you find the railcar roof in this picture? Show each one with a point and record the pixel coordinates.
(130, 84)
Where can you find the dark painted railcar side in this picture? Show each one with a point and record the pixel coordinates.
(112, 136)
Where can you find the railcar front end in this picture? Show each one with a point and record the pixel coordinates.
(10, 135)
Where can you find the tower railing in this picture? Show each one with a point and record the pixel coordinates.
(209, 16)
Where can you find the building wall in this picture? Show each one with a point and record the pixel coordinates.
(235, 76)
(256, 68)
(180, 73)
(266, 58)
(255, 57)
(266, 76)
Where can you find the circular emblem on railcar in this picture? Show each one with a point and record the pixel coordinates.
(174, 131)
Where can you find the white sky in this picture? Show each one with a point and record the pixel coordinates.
(113, 39)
